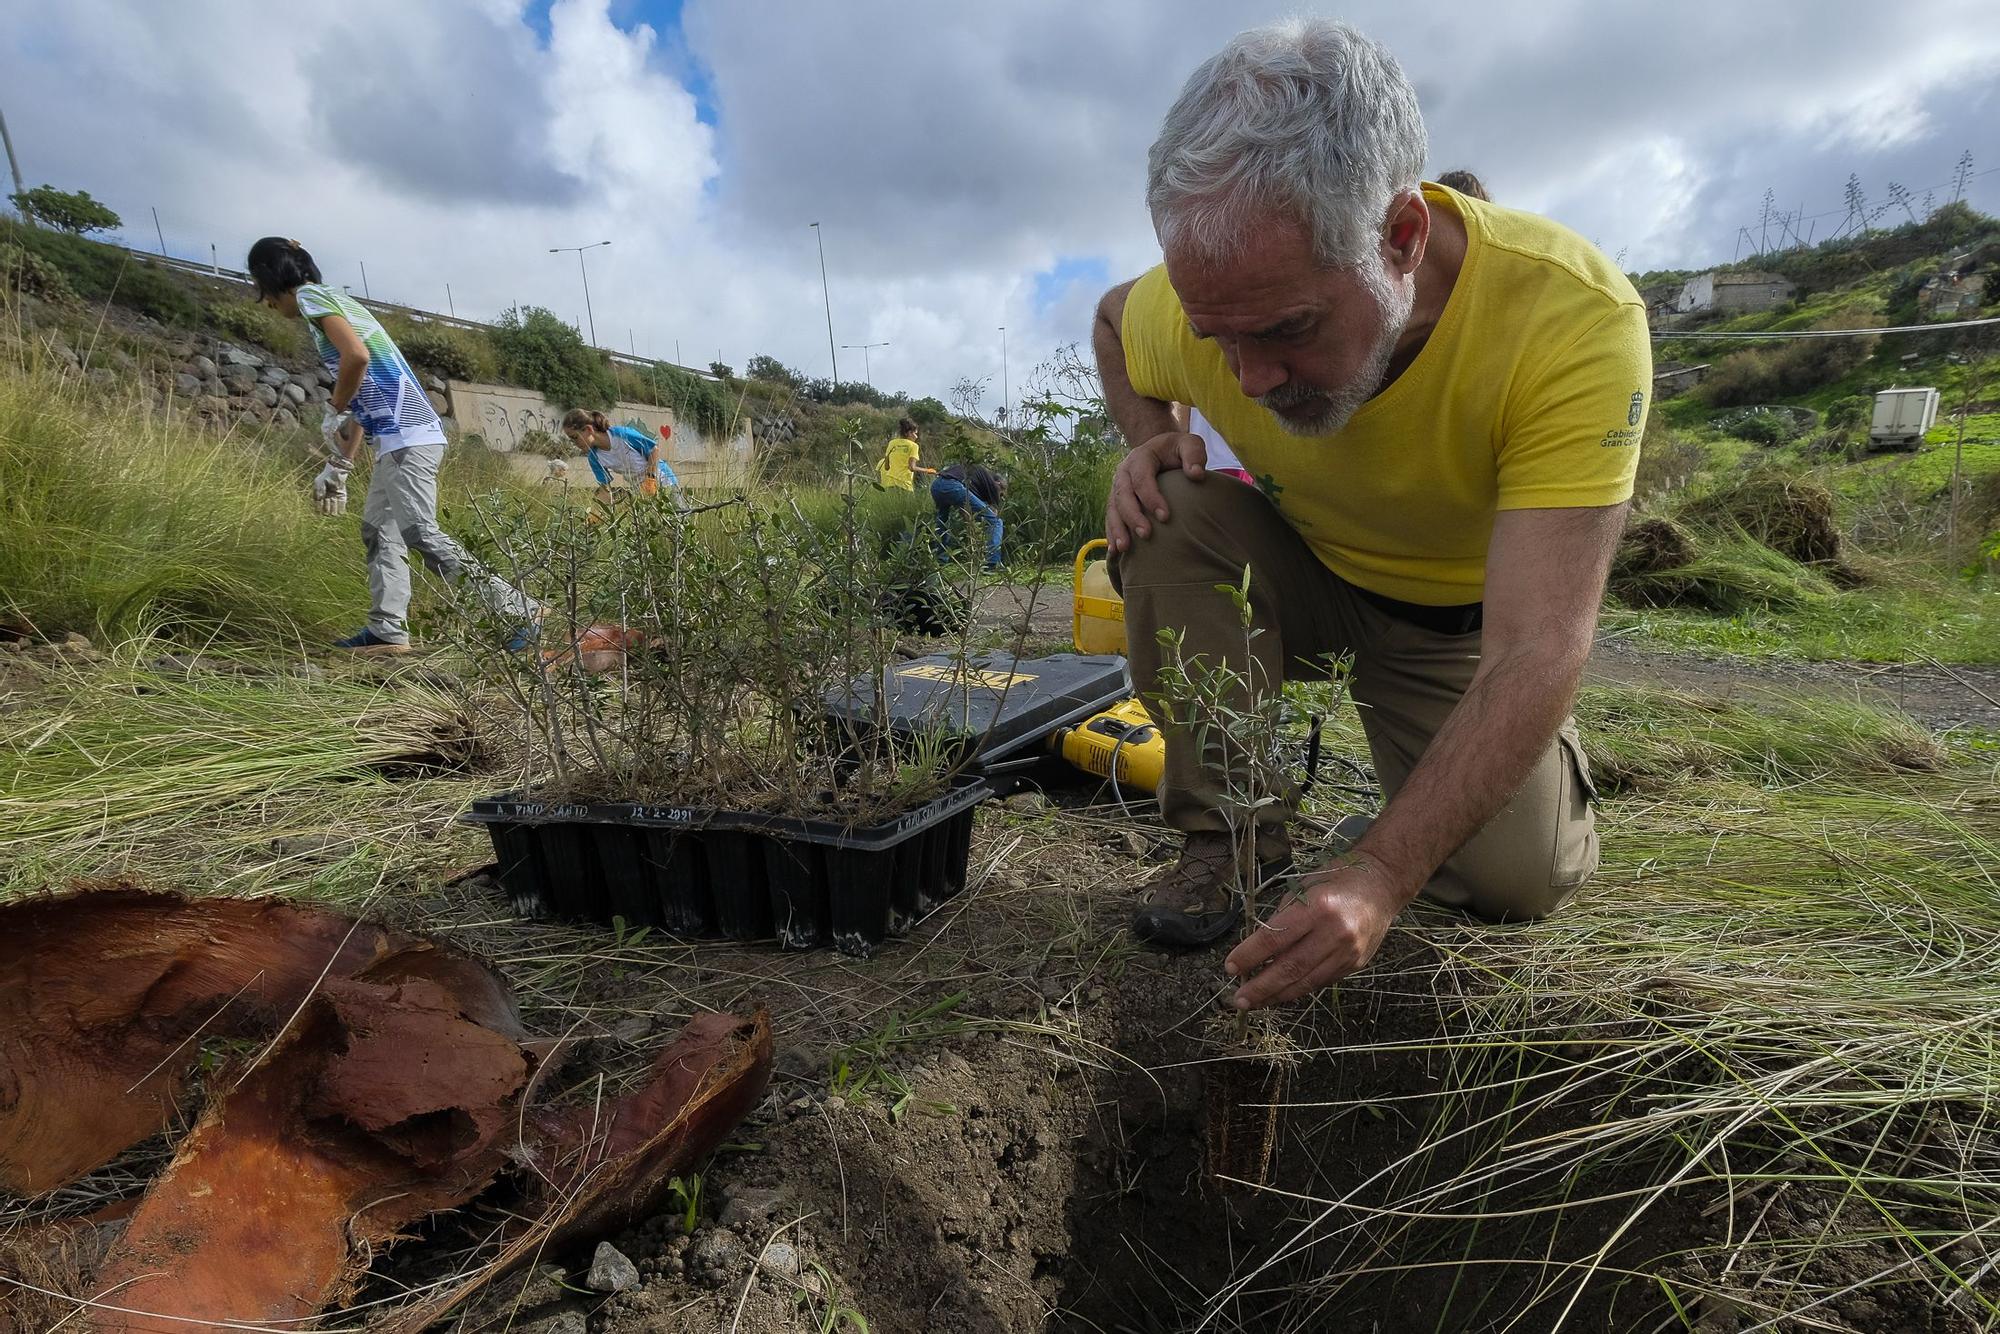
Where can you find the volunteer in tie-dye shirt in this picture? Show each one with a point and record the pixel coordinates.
(376, 398)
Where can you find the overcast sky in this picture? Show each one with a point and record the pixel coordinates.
(972, 166)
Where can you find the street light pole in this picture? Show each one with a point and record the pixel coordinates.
(866, 373)
(827, 292)
(588, 313)
(13, 163)
(1006, 391)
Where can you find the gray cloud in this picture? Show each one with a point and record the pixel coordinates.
(952, 152)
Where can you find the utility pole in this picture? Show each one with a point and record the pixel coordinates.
(867, 374)
(366, 295)
(448, 303)
(827, 292)
(13, 163)
(157, 232)
(1006, 391)
(588, 313)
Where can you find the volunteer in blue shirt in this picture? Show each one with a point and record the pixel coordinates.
(623, 451)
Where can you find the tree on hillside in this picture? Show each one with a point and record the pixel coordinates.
(929, 413)
(78, 214)
(539, 351)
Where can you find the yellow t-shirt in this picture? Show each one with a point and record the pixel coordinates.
(1529, 394)
(898, 462)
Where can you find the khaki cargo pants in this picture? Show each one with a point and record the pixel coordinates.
(1406, 679)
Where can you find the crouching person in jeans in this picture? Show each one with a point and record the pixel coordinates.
(1441, 403)
(376, 397)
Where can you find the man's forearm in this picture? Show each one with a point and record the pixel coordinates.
(1482, 755)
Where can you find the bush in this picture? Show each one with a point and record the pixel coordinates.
(720, 370)
(704, 405)
(1849, 410)
(1765, 428)
(24, 271)
(1765, 374)
(76, 213)
(252, 322)
(453, 354)
(772, 371)
(537, 350)
(928, 413)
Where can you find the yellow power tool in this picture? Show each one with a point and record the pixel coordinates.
(1122, 743)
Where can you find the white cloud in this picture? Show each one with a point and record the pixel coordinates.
(953, 153)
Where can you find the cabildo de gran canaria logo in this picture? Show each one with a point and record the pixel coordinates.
(1628, 434)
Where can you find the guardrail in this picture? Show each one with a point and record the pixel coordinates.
(237, 276)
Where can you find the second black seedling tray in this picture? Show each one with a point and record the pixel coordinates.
(733, 874)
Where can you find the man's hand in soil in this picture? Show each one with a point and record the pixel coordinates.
(1136, 503)
(1331, 928)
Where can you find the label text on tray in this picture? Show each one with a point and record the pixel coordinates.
(953, 675)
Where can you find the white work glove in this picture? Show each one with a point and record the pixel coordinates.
(332, 426)
(330, 487)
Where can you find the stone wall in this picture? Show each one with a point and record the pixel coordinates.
(503, 416)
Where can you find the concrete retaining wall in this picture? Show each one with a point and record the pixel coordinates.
(503, 415)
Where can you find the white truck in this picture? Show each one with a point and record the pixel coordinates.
(1901, 418)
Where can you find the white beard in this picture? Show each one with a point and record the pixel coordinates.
(1337, 406)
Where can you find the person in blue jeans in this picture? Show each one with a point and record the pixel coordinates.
(969, 487)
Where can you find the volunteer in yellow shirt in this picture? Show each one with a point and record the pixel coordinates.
(1441, 403)
(898, 468)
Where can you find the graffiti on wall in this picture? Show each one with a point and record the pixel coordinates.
(505, 416)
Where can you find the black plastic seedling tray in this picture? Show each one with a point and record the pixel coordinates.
(738, 875)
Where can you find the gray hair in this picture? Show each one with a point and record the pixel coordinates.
(1307, 116)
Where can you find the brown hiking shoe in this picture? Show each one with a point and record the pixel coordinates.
(1195, 903)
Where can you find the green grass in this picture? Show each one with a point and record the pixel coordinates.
(242, 775)
(1952, 621)
(117, 520)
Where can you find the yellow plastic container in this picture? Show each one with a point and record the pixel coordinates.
(1098, 621)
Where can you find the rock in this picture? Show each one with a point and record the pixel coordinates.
(285, 417)
(1137, 845)
(293, 392)
(781, 1260)
(717, 1249)
(124, 360)
(321, 394)
(439, 403)
(265, 396)
(835, 1103)
(325, 377)
(274, 375)
(232, 355)
(250, 421)
(73, 640)
(203, 367)
(432, 382)
(1029, 801)
(214, 388)
(101, 376)
(63, 350)
(187, 386)
(610, 1270)
(239, 378)
(752, 1204)
(569, 1320)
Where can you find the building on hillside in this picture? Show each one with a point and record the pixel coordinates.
(1733, 291)
(1959, 287)
(1662, 299)
(1951, 296)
